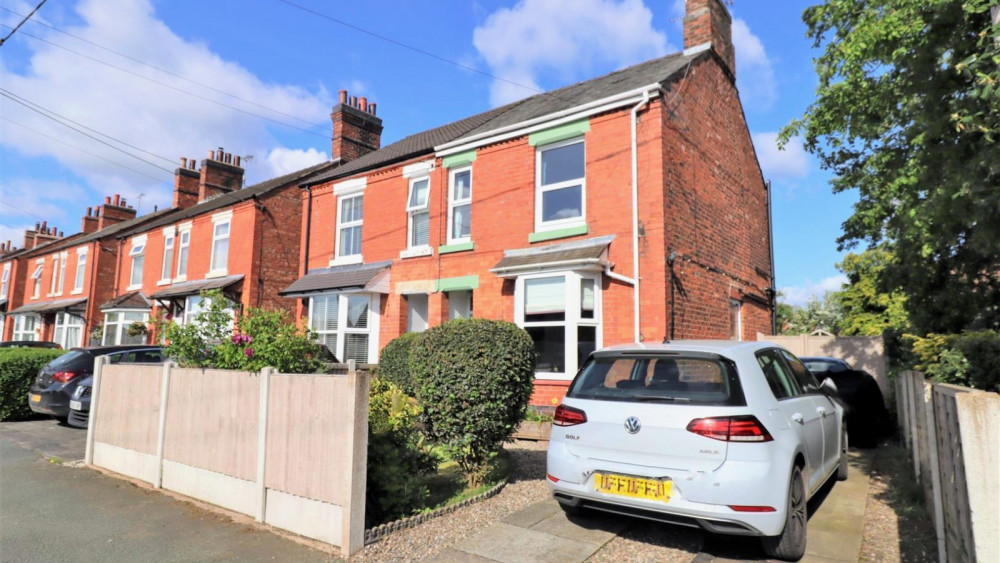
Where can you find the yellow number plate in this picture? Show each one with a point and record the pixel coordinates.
(633, 487)
(36, 398)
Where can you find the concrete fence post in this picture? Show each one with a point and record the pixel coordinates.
(161, 433)
(95, 393)
(265, 381)
(979, 427)
(353, 529)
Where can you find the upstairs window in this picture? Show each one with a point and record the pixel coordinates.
(138, 260)
(62, 273)
(54, 280)
(459, 205)
(349, 217)
(560, 191)
(168, 255)
(37, 276)
(81, 270)
(4, 280)
(182, 256)
(419, 219)
(220, 247)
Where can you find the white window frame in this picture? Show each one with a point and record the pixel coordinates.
(454, 202)
(37, 276)
(540, 189)
(54, 280)
(417, 303)
(573, 319)
(62, 273)
(138, 250)
(183, 250)
(22, 332)
(60, 332)
(460, 308)
(81, 270)
(121, 325)
(4, 282)
(169, 244)
(341, 225)
(218, 220)
(372, 331)
(412, 210)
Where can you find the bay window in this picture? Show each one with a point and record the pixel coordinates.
(25, 327)
(561, 313)
(116, 325)
(68, 330)
(347, 323)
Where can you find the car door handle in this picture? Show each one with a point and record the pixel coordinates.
(822, 412)
(797, 417)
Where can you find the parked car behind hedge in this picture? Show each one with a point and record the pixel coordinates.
(18, 368)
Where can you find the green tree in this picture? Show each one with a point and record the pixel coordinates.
(867, 308)
(816, 314)
(907, 112)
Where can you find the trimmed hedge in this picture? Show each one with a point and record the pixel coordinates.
(394, 362)
(18, 368)
(474, 380)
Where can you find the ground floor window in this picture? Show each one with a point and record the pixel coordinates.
(561, 312)
(69, 330)
(116, 325)
(416, 312)
(26, 327)
(347, 323)
(193, 305)
(459, 304)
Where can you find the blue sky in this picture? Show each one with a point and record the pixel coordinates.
(178, 78)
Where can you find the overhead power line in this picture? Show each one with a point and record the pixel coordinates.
(18, 26)
(175, 88)
(45, 113)
(165, 71)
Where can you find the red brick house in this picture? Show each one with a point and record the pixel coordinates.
(217, 235)
(630, 207)
(55, 285)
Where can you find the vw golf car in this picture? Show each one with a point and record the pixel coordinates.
(731, 437)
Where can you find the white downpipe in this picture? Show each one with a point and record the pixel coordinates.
(619, 277)
(635, 213)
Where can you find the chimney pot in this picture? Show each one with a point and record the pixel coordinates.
(37, 225)
(237, 160)
(44, 223)
(343, 96)
(184, 162)
(90, 211)
(107, 200)
(354, 101)
(211, 155)
(363, 104)
(117, 199)
(371, 108)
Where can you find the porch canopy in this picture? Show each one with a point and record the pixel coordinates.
(373, 278)
(230, 286)
(75, 306)
(134, 300)
(584, 254)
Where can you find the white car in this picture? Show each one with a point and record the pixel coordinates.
(731, 437)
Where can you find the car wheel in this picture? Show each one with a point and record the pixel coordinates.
(842, 467)
(791, 543)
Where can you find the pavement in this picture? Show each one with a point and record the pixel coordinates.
(542, 532)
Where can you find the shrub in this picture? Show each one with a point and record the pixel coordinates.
(474, 379)
(394, 362)
(971, 358)
(397, 458)
(18, 368)
(193, 344)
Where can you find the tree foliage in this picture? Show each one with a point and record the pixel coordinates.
(816, 314)
(867, 308)
(908, 113)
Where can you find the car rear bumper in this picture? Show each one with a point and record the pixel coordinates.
(47, 402)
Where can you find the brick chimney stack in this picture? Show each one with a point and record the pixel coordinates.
(356, 129)
(221, 173)
(41, 234)
(5, 249)
(708, 25)
(112, 212)
(186, 181)
(89, 222)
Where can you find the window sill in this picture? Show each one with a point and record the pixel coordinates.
(559, 233)
(180, 279)
(133, 287)
(163, 282)
(416, 252)
(76, 291)
(347, 260)
(456, 247)
(553, 377)
(216, 274)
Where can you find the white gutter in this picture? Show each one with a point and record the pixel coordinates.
(546, 121)
(635, 212)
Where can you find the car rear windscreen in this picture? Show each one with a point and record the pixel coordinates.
(700, 380)
(74, 359)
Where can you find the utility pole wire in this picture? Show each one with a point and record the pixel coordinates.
(18, 26)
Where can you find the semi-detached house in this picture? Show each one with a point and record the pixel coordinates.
(630, 207)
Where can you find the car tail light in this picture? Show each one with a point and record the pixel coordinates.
(742, 508)
(551, 478)
(568, 416)
(64, 376)
(731, 429)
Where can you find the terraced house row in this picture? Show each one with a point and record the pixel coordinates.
(630, 207)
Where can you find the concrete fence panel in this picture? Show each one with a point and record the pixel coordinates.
(125, 436)
(865, 353)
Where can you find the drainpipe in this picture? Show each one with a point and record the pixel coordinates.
(309, 209)
(635, 214)
(770, 243)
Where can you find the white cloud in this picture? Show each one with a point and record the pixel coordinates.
(800, 295)
(790, 162)
(281, 160)
(554, 41)
(14, 234)
(754, 73)
(155, 117)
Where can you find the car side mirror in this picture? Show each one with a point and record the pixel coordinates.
(829, 385)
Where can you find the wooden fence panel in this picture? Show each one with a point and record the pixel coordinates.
(954, 489)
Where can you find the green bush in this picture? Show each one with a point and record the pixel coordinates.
(397, 458)
(394, 362)
(971, 358)
(474, 379)
(18, 368)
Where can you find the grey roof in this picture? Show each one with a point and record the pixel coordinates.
(131, 300)
(50, 306)
(110, 231)
(337, 277)
(197, 286)
(579, 252)
(237, 196)
(657, 70)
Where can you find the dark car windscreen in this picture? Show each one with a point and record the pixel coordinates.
(681, 379)
(72, 359)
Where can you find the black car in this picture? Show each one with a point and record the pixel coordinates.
(28, 344)
(56, 382)
(867, 418)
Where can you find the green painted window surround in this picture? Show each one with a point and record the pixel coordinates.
(560, 133)
(559, 233)
(460, 159)
(456, 247)
(458, 283)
